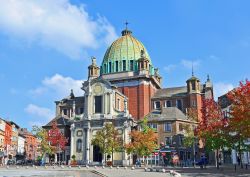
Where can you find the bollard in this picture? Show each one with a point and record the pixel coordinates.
(145, 169)
(79, 166)
(87, 166)
(163, 170)
(69, 166)
(133, 168)
(17, 167)
(7, 167)
(27, 167)
(117, 167)
(36, 167)
(103, 167)
(95, 167)
(125, 168)
(111, 167)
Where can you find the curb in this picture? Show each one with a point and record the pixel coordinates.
(98, 173)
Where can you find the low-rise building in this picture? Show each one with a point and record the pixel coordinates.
(7, 141)
(2, 136)
(14, 139)
(171, 125)
(21, 147)
(30, 144)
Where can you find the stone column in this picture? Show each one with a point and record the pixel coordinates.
(88, 142)
(72, 130)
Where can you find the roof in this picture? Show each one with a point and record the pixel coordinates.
(60, 120)
(174, 92)
(169, 113)
(68, 100)
(170, 92)
(126, 47)
(193, 78)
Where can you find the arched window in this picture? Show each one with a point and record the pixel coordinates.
(79, 145)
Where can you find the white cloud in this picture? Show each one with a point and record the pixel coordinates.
(169, 68)
(59, 85)
(39, 111)
(56, 24)
(38, 91)
(221, 88)
(189, 63)
(41, 115)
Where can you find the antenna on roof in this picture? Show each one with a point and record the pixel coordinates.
(192, 69)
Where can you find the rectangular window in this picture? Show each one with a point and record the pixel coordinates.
(98, 104)
(65, 112)
(168, 127)
(124, 65)
(179, 104)
(157, 105)
(153, 126)
(118, 104)
(193, 85)
(169, 103)
(131, 65)
(116, 66)
(81, 110)
(194, 103)
(105, 68)
(168, 140)
(180, 127)
(110, 65)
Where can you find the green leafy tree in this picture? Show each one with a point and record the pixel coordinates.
(108, 140)
(42, 135)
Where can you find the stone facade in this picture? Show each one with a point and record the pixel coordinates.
(104, 104)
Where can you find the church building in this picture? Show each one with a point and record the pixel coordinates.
(123, 90)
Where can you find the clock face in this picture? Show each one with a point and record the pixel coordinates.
(98, 89)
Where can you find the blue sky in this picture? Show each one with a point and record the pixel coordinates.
(45, 46)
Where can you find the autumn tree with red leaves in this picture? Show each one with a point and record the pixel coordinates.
(57, 138)
(211, 128)
(239, 121)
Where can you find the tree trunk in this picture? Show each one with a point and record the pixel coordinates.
(217, 159)
(112, 157)
(241, 165)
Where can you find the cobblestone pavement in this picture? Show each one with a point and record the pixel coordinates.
(185, 172)
(121, 172)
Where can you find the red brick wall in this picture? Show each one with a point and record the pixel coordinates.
(198, 100)
(8, 134)
(139, 99)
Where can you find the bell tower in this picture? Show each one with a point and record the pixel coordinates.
(93, 69)
(194, 94)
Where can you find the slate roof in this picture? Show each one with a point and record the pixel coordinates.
(170, 92)
(60, 120)
(68, 100)
(169, 113)
(174, 92)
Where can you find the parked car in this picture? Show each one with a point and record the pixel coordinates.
(29, 162)
(20, 162)
(11, 162)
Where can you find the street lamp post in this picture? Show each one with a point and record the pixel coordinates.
(194, 150)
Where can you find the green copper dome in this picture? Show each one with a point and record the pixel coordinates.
(123, 54)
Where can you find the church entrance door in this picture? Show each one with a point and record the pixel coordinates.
(97, 155)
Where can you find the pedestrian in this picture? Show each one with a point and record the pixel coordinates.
(238, 160)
